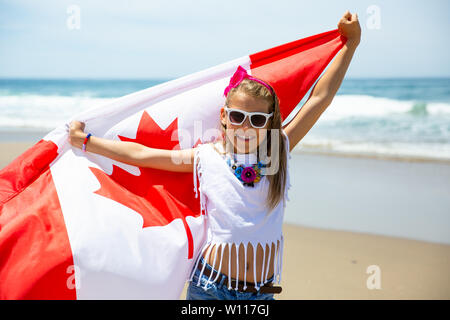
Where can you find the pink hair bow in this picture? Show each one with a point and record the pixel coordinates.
(240, 75)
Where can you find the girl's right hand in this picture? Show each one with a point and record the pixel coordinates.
(76, 129)
(349, 27)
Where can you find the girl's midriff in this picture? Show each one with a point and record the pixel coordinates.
(246, 270)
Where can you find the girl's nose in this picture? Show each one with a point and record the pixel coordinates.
(246, 123)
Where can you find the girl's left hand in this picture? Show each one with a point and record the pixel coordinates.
(349, 27)
(76, 129)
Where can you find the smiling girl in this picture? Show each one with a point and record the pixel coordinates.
(243, 177)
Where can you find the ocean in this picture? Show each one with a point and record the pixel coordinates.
(388, 117)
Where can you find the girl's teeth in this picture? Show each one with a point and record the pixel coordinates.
(244, 138)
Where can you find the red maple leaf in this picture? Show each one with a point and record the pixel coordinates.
(158, 196)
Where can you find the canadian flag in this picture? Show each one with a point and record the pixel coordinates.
(77, 225)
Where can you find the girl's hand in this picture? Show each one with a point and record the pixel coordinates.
(349, 27)
(132, 153)
(76, 133)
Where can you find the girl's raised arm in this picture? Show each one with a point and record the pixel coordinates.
(133, 153)
(327, 86)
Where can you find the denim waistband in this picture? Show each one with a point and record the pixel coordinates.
(221, 276)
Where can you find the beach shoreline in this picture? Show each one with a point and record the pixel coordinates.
(376, 156)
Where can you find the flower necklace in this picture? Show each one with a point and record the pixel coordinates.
(248, 175)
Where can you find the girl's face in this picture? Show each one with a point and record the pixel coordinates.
(244, 137)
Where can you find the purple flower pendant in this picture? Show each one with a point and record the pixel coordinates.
(248, 175)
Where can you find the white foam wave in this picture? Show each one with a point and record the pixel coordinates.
(47, 112)
(42, 112)
(344, 106)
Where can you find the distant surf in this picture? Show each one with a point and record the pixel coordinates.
(406, 118)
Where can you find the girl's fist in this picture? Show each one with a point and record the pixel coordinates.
(75, 129)
(349, 27)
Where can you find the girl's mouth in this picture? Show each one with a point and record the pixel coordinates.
(245, 138)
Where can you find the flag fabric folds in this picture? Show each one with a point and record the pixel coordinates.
(77, 225)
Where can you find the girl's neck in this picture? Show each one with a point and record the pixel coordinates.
(246, 158)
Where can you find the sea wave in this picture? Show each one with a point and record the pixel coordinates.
(345, 106)
(351, 124)
(45, 111)
(42, 111)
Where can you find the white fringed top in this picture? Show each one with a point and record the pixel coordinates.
(236, 214)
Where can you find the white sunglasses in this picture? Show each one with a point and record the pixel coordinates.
(257, 119)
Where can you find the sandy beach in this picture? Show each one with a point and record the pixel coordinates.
(327, 264)
(321, 263)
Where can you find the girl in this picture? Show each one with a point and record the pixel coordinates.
(242, 191)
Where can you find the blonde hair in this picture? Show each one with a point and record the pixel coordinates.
(277, 181)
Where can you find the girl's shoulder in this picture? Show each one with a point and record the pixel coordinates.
(218, 147)
(214, 145)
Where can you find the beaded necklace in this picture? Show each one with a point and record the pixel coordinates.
(248, 175)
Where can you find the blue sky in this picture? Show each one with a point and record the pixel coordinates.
(168, 39)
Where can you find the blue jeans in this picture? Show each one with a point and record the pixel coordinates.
(219, 290)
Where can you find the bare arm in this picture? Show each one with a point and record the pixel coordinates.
(133, 153)
(326, 88)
